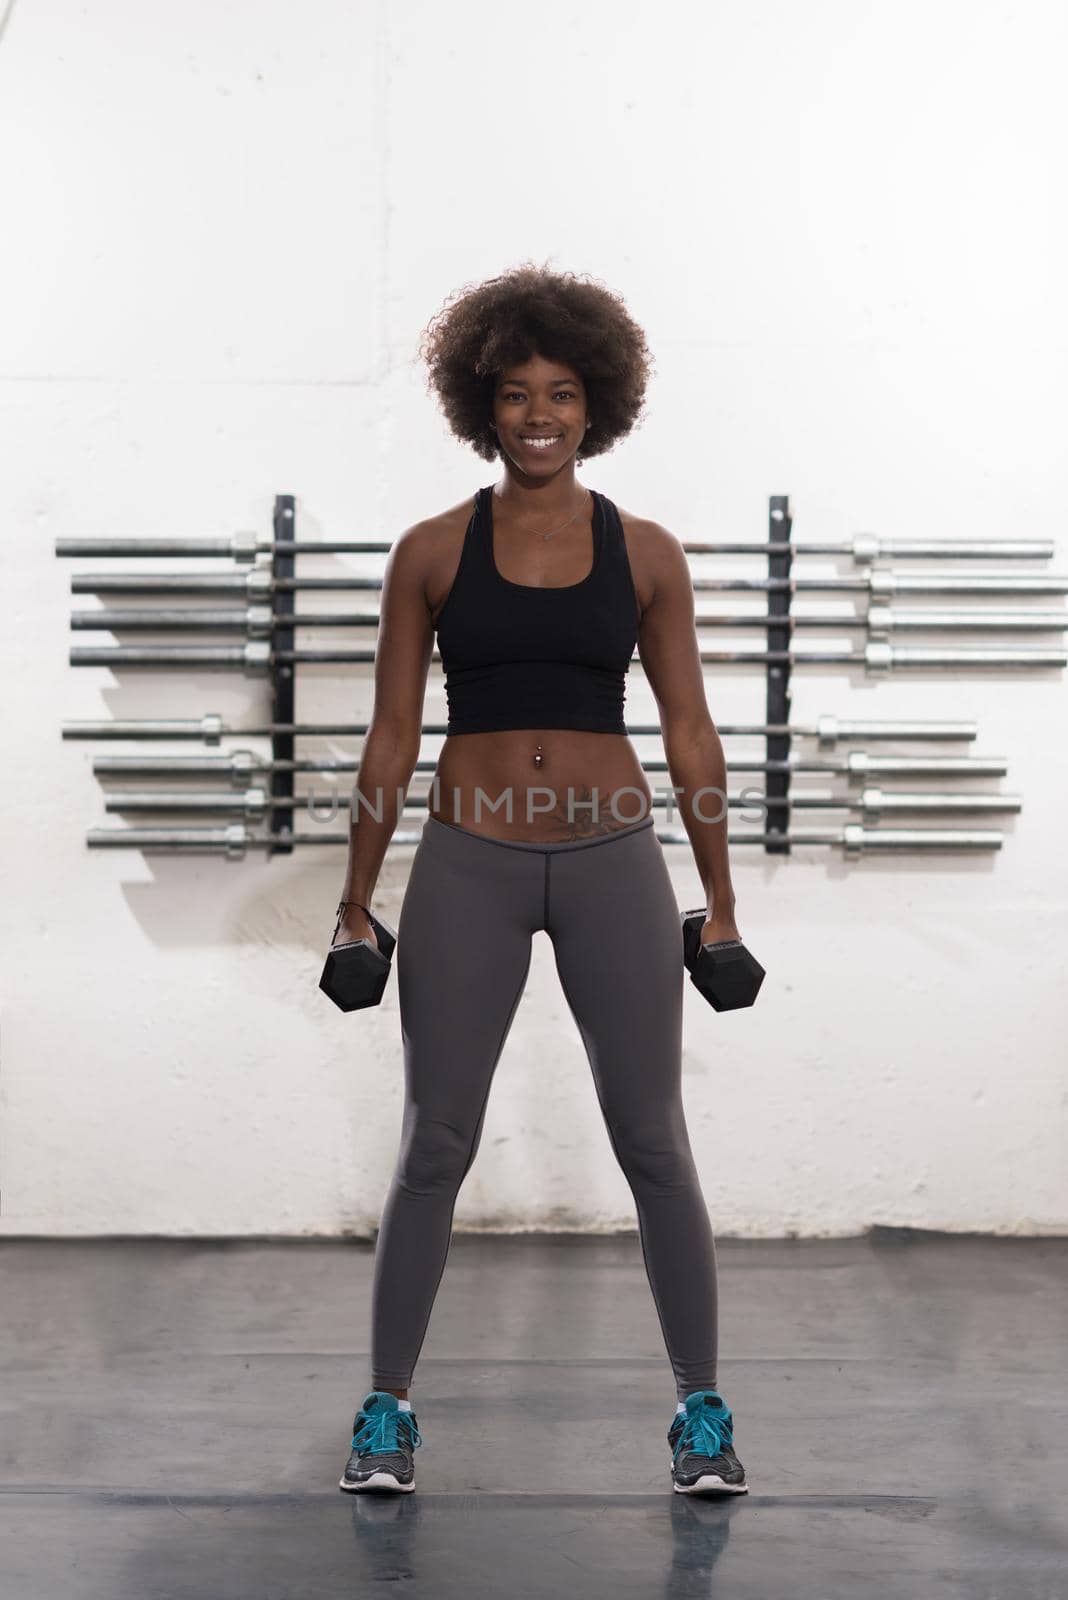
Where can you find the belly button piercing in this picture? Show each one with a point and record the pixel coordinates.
(538, 757)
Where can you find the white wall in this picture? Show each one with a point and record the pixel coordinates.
(843, 228)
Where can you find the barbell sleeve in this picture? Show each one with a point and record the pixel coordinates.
(254, 658)
(258, 584)
(868, 547)
(881, 620)
(210, 728)
(237, 546)
(258, 621)
(876, 801)
(884, 584)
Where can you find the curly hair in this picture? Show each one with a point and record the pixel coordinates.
(530, 310)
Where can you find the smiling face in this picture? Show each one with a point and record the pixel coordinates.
(539, 411)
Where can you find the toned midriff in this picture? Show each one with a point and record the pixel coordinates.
(577, 767)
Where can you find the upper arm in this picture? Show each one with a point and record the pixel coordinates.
(667, 637)
(405, 636)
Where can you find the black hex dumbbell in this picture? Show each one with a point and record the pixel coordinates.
(723, 971)
(355, 974)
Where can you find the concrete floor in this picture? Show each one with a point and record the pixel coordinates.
(176, 1414)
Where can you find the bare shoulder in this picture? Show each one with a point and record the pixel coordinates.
(429, 551)
(656, 554)
(430, 533)
(649, 536)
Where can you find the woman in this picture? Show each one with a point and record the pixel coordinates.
(539, 818)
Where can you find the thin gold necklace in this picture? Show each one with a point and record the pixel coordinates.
(563, 525)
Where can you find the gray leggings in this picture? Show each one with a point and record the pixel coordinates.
(463, 953)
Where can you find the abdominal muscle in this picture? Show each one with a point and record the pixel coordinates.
(587, 784)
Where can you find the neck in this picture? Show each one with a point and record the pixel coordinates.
(543, 498)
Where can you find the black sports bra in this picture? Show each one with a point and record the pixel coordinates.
(518, 655)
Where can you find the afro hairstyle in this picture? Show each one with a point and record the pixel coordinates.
(484, 328)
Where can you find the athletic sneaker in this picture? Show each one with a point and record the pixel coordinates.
(384, 1439)
(703, 1459)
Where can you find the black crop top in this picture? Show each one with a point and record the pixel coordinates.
(517, 655)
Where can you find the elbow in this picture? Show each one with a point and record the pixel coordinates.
(683, 734)
(394, 742)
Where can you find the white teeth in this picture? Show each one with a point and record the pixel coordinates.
(542, 444)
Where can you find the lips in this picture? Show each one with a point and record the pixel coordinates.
(541, 441)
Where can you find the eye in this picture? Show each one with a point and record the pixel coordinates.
(518, 394)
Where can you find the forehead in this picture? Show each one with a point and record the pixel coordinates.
(539, 369)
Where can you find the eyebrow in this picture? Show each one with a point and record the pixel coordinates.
(522, 382)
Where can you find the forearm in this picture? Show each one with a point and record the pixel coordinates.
(698, 771)
(377, 800)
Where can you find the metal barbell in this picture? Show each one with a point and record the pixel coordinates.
(258, 657)
(234, 840)
(211, 728)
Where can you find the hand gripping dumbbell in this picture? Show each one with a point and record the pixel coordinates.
(355, 974)
(723, 970)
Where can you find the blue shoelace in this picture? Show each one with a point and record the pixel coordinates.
(705, 1430)
(379, 1434)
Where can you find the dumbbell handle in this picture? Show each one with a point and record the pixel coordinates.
(343, 903)
(341, 906)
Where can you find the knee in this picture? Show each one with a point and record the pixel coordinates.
(434, 1158)
(657, 1161)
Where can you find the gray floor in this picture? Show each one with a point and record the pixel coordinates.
(175, 1416)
